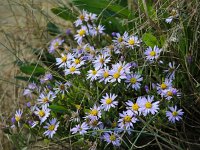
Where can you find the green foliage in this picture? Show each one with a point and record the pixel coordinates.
(107, 8)
(52, 29)
(32, 69)
(59, 108)
(150, 40)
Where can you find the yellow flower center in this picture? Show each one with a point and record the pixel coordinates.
(77, 61)
(97, 29)
(116, 75)
(133, 80)
(101, 60)
(94, 112)
(62, 87)
(148, 105)
(64, 58)
(135, 107)
(169, 93)
(72, 69)
(112, 137)
(82, 17)
(87, 49)
(56, 44)
(51, 127)
(127, 119)
(17, 118)
(108, 101)
(81, 32)
(120, 39)
(174, 113)
(41, 113)
(45, 100)
(131, 42)
(163, 86)
(105, 74)
(94, 72)
(94, 123)
(152, 53)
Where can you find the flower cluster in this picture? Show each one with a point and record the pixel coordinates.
(117, 103)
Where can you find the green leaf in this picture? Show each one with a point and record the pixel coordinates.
(113, 25)
(150, 40)
(58, 108)
(64, 13)
(97, 6)
(32, 69)
(53, 29)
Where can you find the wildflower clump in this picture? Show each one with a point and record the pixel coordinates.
(108, 86)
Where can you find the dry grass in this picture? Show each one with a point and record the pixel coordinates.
(22, 26)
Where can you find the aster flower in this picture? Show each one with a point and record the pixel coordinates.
(94, 31)
(95, 113)
(28, 93)
(104, 75)
(171, 70)
(78, 61)
(46, 98)
(125, 67)
(127, 120)
(81, 18)
(164, 86)
(101, 60)
(108, 101)
(82, 129)
(112, 137)
(119, 41)
(43, 113)
(62, 61)
(134, 106)
(61, 87)
(93, 74)
(95, 124)
(170, 93)
(148, 106)
(81, 34)
(72, 69)
(132, 41)
(32, 86)
(88, 48)
(55, 45)
(47, 77)
(18, 115)
(79, 50)
(174, 114)
(152, 54)
(133, 80)
(116, 75)
(90, 17)
(51, 127)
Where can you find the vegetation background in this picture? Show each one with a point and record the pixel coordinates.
(23, 27)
